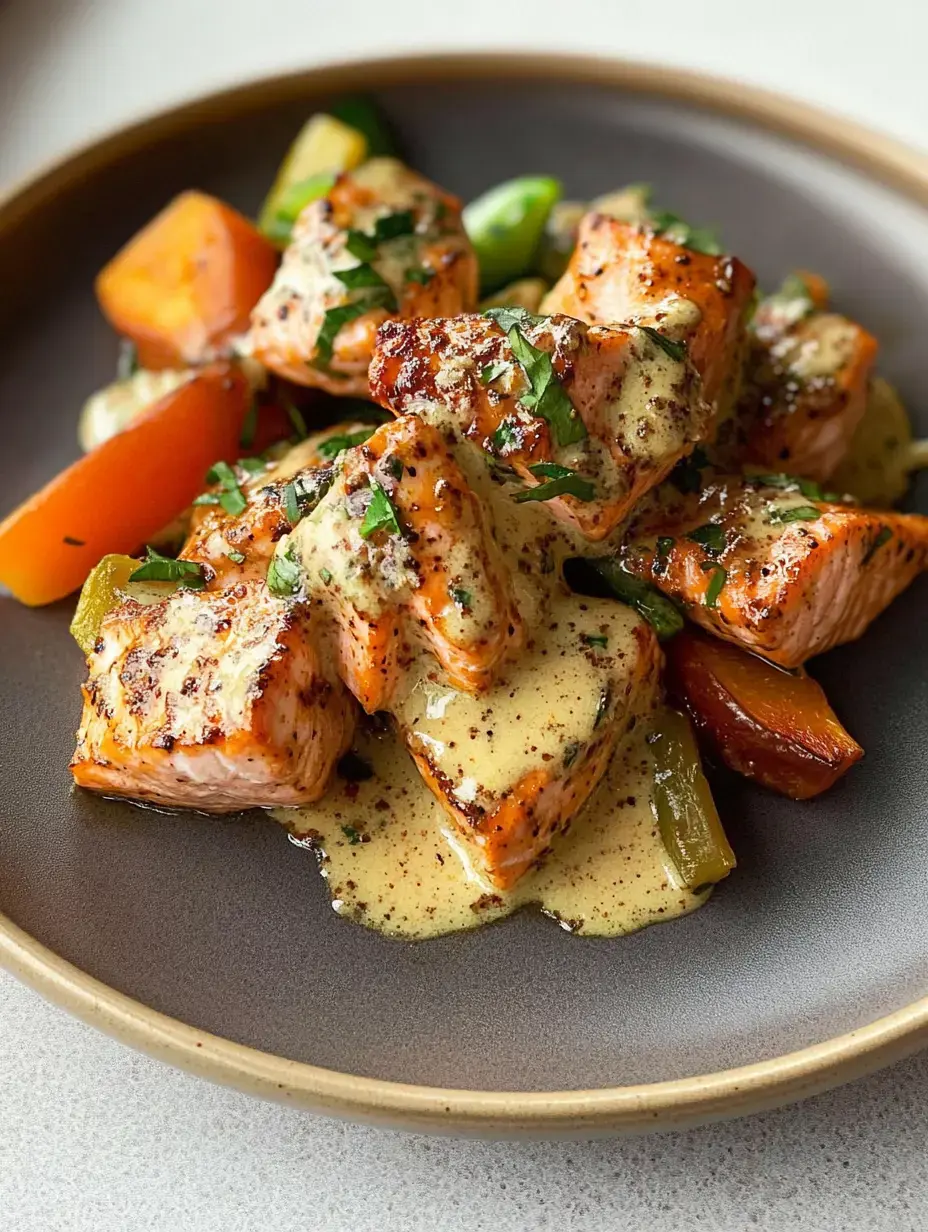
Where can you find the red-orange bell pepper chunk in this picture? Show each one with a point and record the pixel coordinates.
(187, 282)
(773, 726)
(123, 492)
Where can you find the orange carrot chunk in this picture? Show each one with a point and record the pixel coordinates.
(187, 282)
(123, 492)
(770, 725)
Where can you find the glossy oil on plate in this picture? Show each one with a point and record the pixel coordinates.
(225, 926)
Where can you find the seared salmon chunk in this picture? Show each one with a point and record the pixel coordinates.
(384, 242)
(216, 701)
(582, 682)
(398, 554)
(585, 418)
(623, 272)
(806, 385)
(760, 563)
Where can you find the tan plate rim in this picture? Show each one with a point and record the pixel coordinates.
(672, 1104)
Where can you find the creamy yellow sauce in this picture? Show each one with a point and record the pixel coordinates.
(393, 857)
(389, 855)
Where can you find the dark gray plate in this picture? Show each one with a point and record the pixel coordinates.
(224, 924)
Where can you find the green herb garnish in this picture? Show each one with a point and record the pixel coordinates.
(380, 515)
(790, 483)
(362, 246)
(325, 574)
(230, 495)
(562, 482)
(252, 465)
(365, 278)
(420, 274)
(347, 440)
(292, 504)
(237, 558)
(676, 350)
(883, 535)
(333, 321)
(716, 582)
(158, 568)
(461, 598)
(505, 435)
(547, 396)
(506, 318)
(711, 536)
(664, 548)
(498, 368)
(799, 513)
(392, 226)
(699, 239)
(352, 835)
(285, 573)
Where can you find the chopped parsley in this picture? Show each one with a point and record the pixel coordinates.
(506, 318)
(799, 513)
(346, 440)
(562, 482)
(361, 246)
(461, 598)
(237, 558)
(547, 396)
(249, 426)
(365, 278)
(659, 611)
(676, 350)
(364, 244)
(505, 435)
(380, 515)
(285, 573)
(230, 496)
(420, 274)
(716, 582)
(883, 535)
(158, 568)
(792, 483)
(352, 835)
(686, 476)
(711, 536)
(292, 504)
(594, 639)
(127, 362)
(251, 466)
(333, 321)
(498, 368)
(664, 548)
(325, 574)
(699, 239)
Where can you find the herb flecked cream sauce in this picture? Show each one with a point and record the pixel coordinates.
(385, 845)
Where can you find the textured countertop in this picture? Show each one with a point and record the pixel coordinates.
(93, 1136)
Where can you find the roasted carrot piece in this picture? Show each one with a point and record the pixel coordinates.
(187, 282)
(770, 725)
(121, 494)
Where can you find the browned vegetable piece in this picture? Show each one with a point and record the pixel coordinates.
(773, 726)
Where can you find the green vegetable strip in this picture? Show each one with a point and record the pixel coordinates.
(158, 568)
(647, 600)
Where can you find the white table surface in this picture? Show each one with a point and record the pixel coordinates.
(94, 1136)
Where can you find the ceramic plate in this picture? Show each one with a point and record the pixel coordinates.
(212, 943)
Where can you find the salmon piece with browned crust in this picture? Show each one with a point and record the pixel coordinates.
(216, 701)
(623, 272)
(384, 241)
(806, 384)
(237, 547)
(784, 574)
(582, 683)
(550, 398)
(399, 554)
